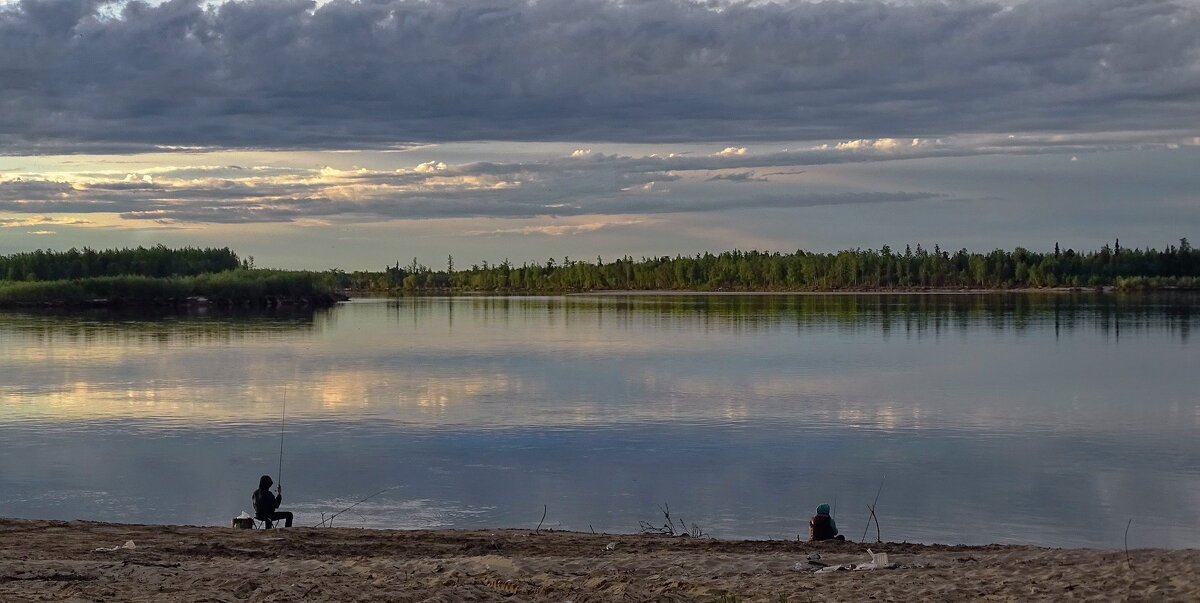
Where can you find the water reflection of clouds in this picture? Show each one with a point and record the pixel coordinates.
(960, 387)
(561, 362)
(382, 390)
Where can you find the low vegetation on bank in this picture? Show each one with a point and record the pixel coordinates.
(850, 270)
(155, 276)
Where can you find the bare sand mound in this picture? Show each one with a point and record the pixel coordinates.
(59, 561)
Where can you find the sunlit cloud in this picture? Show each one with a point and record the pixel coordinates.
(43, 221)
(580, 183)
(881, 144)
(555, 230)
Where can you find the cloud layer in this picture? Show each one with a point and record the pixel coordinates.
(90, 76)
(581, 183)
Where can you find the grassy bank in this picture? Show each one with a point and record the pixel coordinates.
(241, 287)
(1153, 283)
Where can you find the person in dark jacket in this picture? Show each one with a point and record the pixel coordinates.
(265, 503)
(822, 526)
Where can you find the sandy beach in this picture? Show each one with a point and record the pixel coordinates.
(88, 561)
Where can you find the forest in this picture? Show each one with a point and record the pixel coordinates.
(155, 276)
(1174, 267)
(162, 275)
(158, 262)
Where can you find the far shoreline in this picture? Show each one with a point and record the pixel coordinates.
(1053, 290)
(1107, 290)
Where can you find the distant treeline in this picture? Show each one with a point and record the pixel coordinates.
(157, 276)
(158, 261)
(885, 269)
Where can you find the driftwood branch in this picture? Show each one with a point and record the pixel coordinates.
(871, 508)
(1128, 561)
(878, 537)
(539, 528)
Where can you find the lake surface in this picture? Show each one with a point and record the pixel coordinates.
(1044, 419)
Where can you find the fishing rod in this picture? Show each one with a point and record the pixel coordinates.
(329, 520)
(282, 424)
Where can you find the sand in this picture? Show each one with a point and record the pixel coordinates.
(58, 561)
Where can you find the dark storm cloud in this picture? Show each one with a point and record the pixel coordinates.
(287, 74)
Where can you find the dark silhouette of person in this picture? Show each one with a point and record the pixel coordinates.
(265, 503)
(822, 526)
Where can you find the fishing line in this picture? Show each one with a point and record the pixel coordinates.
(330, 519)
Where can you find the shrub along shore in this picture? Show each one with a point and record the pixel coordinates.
(155, 276)
(237, 288)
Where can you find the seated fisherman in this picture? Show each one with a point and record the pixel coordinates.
(265, 503)
(822, 526)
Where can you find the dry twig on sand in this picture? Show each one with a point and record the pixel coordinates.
(668, 528)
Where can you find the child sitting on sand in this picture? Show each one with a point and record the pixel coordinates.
(822, 526)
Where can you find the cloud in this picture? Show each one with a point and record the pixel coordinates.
(738, 177)
(87, 76)
(879, 144)
(588, 184)
(555, 230)
(430, 167)
(42, 221)
(37, 188)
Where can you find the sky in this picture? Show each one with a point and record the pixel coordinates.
(357, 134)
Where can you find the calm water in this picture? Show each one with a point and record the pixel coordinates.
(1008, 418)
